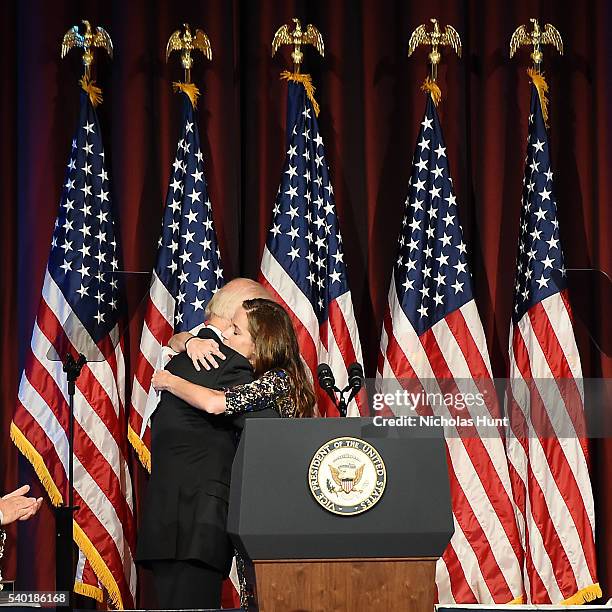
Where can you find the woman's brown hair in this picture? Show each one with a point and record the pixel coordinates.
(276, 348)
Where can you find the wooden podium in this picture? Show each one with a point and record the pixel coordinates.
(345, 585)
(302, 558)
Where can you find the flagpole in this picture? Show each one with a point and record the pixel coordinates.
(65, 547)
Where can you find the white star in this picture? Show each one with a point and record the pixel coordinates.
(293, 253)
(536, 234)
(461, 266)
(545, 195)
(441, 151)
(103, 195)
(335, 277)
(461, 247)
(82, 291)
(413, 244)
(426, 123)
(291, 192)
(194, 195)
(88, 148)
(86, 168)
(293, 212)
(99, 317)
(188, 236)
(183, 277)
(192, 216)
(552, 243)
(435, 192)
(198, 304)
(428, 251)
(443, 259)
(276, 230)
(292, 151)
(415, 225)
(66, 266)
(542, 282)
(452, 200)
(548, 175)
(446, 239)
(422, 310)
(424, 144)
(448, 219)
(189, 127)
(438, 172)
(421, 165)
(410, 265)
(538, 146)
(201, 284)
(540, 214)
(458, 287)
(67, 246)
(185, 256)
(548, 262)
(319, 140)
(408, 284)
(294, 232)
(197, 175)
(419, 185)
(88, 127)
(438, 299)
(176, 185)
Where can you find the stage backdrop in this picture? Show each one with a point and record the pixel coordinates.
(371, 106)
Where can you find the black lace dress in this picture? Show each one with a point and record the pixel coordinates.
(272, 390)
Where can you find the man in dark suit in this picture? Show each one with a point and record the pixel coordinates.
(182, 535)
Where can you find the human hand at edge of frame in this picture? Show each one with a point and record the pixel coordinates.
(16, 506)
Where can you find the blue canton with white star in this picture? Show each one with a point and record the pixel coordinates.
(540, 269)
(84, 256)
(188, 258)
(305, 235)
(431, 274)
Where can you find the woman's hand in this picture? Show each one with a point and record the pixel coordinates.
(204, 351)
(162, 380)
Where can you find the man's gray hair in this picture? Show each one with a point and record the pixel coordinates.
(229, 298)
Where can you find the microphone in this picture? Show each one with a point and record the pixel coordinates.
(327, 382)
(355, 379)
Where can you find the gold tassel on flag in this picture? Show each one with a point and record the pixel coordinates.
(306, 81)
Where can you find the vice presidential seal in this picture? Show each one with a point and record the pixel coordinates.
(347, 476)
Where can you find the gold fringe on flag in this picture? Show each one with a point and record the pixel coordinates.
(98, 565)
(144, 454)
(430, 86)
(93, 556)
(34, 457)
(189, 89)
(542, 86)
(306, 81)
(584, 595)
(89, 591)
(92, 90)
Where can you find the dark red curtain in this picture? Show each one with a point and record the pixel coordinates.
(371, 106)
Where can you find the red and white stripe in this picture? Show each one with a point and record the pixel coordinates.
(548, 456)
(336, 342)
(104, 522)
(482, 563)
(156, 332)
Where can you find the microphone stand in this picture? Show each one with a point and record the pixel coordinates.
(64, 515)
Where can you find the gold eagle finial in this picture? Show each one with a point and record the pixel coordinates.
(436, 38)
(297, 38)
(537, 37)
(186, 43)
(87, 41)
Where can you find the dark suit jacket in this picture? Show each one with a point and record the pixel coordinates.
(185, 512)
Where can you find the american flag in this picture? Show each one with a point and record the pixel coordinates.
(187, 271)
(81, 311)
(433, 342)
(303, 262)
(546, 447)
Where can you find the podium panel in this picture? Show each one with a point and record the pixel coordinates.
(303, 557)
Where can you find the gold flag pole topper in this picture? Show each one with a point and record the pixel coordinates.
(73, 39)
(435, 38)
(186, 43)
(537, 37)
(298, 38)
